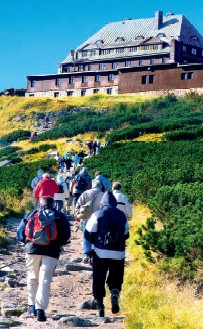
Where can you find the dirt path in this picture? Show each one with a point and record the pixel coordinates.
(71, 286)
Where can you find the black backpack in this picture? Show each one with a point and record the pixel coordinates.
(61, 188)
(81, 183)
(112, 235)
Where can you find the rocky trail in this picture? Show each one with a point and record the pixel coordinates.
(71, 302)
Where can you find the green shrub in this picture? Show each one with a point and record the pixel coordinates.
(16, 135)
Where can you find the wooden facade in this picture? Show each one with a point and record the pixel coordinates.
(159, 54)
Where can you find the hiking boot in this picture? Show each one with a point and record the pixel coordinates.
(86, 259)
(31, 310)
(100, 313)
(114, 301)
(100, 307)
(41, 315)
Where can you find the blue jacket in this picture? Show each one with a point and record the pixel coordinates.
(100, 223)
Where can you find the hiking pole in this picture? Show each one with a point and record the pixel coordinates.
(17, 261)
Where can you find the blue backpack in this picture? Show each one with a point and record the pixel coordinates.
(81, 183)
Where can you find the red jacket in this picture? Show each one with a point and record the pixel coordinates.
(45, 187)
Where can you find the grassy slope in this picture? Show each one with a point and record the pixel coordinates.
(149, 300)
(27, 108)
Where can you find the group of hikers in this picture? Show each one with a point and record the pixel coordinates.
(103, 211)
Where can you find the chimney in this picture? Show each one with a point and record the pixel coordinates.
(72, 52)
(158, 19)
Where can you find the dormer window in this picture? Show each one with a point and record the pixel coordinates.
(195, 37)
(99, 43)
(84, 53)
(139, 37)
(120, 39)
(159, 35)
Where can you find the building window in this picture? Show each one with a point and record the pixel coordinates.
(110, 77)
(81, 68)
(144, 79)
(109, 91)
(84, 53)
(141, 62)
(194, 51)
(155, 47)
(70, 93)
(97, 78)
(96, 91)
(114, 65)
(105, 51)
(184, 49)
(102, 66)
(58, 81)
(83, 92)
(92, 52)
(65, 69)
(187, 76)
(164, 59)
(146, 47)
(33, 83)
(72, 80)
(148, 79)
(119, 50)
(89, 67)
(84, 78)
(133, 49)
(151, 79)
(56, 94)
(128, 63)
(152, 61)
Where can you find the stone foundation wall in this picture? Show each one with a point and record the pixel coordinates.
(103, 90)
(76, 92)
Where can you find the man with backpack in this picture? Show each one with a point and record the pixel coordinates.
(107, 229)
(80, 183)
(62, 193)
(122, 200)
(43, 231)
(104, 181)
(46, 186)
(34, 183)
(91, 198)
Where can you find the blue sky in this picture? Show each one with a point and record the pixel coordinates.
(36, 35)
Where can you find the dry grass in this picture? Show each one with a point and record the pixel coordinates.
(27, 108)
(151, 300)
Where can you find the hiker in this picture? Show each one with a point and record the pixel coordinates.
(81, 182)
(122, 200)
(61, 162)
(32, 136)
(95, 194)
(62, 193)
(98, 146)
(68, 163)
(104, 180)
(34, 183)
(41, 260)
(108, 142)
(107, 229)
(46, 186)
(36, 179)
(94, 147)
(76, 160)
(89, 145)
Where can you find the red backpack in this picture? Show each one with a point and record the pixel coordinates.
(41, 227)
